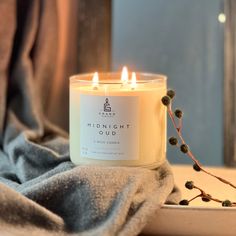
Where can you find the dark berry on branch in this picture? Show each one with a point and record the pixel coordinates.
(189, 185)
(206, 198)
(184, 148)
(184, 202)
(178, 113)
(173, 141)
(166, 100)
(196, 167)
(171, 93)
(226, 203)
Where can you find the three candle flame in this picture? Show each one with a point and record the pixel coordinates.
(124, 75)
(95, 80)
(124, 78)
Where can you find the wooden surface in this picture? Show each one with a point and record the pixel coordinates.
(94, 35)
(230, 84)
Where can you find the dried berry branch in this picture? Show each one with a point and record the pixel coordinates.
(197, 166)
(167, 101)
(204, 196)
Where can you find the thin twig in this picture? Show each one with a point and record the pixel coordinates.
(189, 153)
(203, 194)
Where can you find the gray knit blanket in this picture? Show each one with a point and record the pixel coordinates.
(41, 191)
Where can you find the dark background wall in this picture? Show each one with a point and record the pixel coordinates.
(184, 40)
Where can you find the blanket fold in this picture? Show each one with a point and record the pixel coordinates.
(88, 200)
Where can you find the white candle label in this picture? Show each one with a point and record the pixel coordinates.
(109, 127)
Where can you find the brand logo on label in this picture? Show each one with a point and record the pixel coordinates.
(107, 106)
(107, 109)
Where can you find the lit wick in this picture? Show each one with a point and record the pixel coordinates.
(133, 81)
(95, 81)
(124, 76)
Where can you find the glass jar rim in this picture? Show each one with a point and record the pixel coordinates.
(87, 78)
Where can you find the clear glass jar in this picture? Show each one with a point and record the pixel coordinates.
(115, 123)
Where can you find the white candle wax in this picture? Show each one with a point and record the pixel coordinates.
(115, 124)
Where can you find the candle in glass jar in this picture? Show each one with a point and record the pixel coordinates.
(115, 121)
